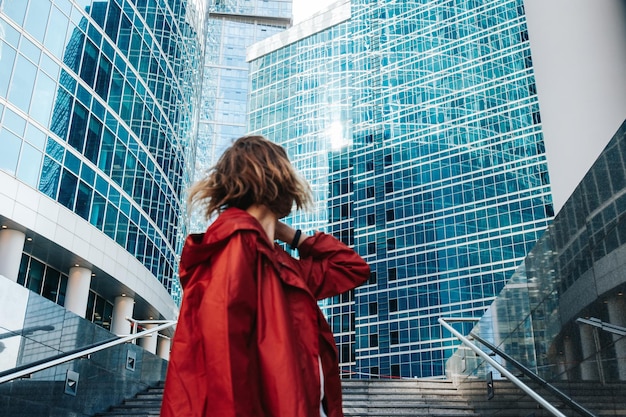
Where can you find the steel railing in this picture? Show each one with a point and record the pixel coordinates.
(536, 378)
(607, 327)
(37, 366)
(533, 394)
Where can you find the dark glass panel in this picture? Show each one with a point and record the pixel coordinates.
(92, 144)
(103, 78)
(90, 59)
(21, 276)
(78, 127)
(62, 290)
(97, 210)
(110, 222)
(113, 21)
(35, 276)
(83, 200)
(51, 284)
(106, 151)
(67, 190)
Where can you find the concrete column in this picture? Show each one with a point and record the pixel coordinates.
(77, 293)
(163, 348)
(149, 342)
(616, 307)
(571, 361)
(11, 248)
(561, 363)
(589, 366)
(122, 308)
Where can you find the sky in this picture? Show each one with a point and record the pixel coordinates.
(305, 8)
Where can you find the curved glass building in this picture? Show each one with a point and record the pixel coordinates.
(98, 117)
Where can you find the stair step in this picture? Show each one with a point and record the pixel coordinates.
(434, 398)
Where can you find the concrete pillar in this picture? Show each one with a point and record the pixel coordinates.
(589, 366)
(163, 348)
(122, 308)
(149, 342)
(616, 307)
(561, 367)
(571, 361)
(77, 293)
(11, 248)
(561, 363)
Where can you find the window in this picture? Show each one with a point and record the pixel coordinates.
(371, 248)
(373, 309)
(393, 305)
(392, 274)
(345, 353)
(373, 340)
(67, 190)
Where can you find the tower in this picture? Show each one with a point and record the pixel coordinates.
(418, 126)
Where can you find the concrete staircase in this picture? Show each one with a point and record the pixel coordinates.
(433, 398)
(144, 404)
(363, 398)
(403, 397)
(510, 401)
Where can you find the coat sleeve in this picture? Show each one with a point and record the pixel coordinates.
(330, 267)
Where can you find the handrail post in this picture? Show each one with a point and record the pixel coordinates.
(545, 404)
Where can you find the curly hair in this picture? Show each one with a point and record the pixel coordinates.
(253, 170)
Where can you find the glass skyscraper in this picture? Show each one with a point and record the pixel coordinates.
(99, 104)
(233, 25)
(417, 125)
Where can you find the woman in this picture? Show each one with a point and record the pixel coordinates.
(250, 339)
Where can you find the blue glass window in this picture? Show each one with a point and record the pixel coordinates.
(9, 156)
(29, 165)
(22, 83)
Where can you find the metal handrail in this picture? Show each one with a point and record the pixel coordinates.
(542, 401)
(607, 327)
(542, 382)
(78, 353)
(135, 324)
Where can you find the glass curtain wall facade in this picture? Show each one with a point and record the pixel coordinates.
(431, 164)
(98, 110)
(300, 98)
(233, 25)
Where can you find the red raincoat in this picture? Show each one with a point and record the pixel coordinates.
(250, 332)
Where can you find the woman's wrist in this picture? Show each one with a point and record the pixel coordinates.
(289, 235)
(296, 239)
